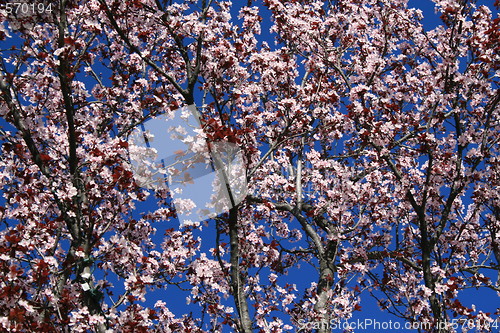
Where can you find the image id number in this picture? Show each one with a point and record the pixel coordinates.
(24, 8)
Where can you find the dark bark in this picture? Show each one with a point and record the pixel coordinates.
(237, 284)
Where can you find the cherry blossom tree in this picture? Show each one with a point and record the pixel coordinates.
(370, 146)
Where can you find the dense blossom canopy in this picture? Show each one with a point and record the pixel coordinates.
(370, 144)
